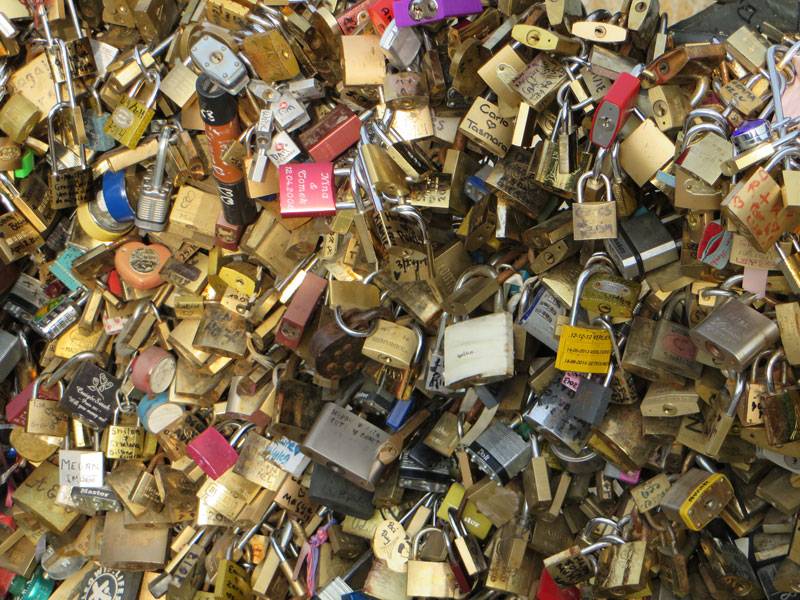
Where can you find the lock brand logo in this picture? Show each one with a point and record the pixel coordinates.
(104, 584)
(680, 345)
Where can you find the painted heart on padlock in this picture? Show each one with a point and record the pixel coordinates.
(138, 264)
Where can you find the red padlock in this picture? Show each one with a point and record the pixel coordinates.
(549, 590)
(332, 136)
(300, 310)
(307, 190)
(381, 14)
(227, 235)
(614, 110)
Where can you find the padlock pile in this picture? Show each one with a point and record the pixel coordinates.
(398, 298)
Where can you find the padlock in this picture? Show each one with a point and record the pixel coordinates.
(614, 109)
(697, 498)
(125, 441)
(43, 415)
(18, 117)
(323, 443)
(130, 118)
(590, 356)
(213, 453)
(575, 564)
(627, 570)
(594, 220)
(154, 194)
(425, 578)
(470, 345)
(591, 398)
(672, 347)
(735, 334)
(610, 295)
(500, 452)
(644, 245)
(153, 370)
(720, 423)
(779, 406)
(216, 60)
(467, 547)
(401, 44)
(68, 187)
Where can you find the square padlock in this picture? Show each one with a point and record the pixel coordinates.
(212, 453)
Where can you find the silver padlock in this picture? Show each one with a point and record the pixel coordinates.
(263, 133)
(154, 195)
(401, 44)
(221, 64)
(500, 452)
(734, 332)
(346, 444)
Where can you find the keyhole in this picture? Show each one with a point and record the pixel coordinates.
(216, 57)
(659, 108)
(669, 409)
(533, 37)
(640, 6)
(600, 31)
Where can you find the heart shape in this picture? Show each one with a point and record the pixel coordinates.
(139, 264)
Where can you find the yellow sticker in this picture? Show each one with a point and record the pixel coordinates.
(583, 350)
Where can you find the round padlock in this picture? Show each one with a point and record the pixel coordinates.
(98, 223)
(115, 194)
(156, 412)
(153, 370)
(18, 117)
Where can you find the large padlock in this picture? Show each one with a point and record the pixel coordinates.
(735, 333)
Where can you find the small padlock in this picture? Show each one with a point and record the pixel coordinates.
(594, 220)
(212, 452)
(43, 415)
(130, 118)
(125, 442)
(153, 370)
(427, 578)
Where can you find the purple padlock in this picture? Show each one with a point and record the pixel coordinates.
(212, 453)
(418, 12)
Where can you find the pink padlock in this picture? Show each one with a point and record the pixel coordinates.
(213, 453)
(152, 371)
